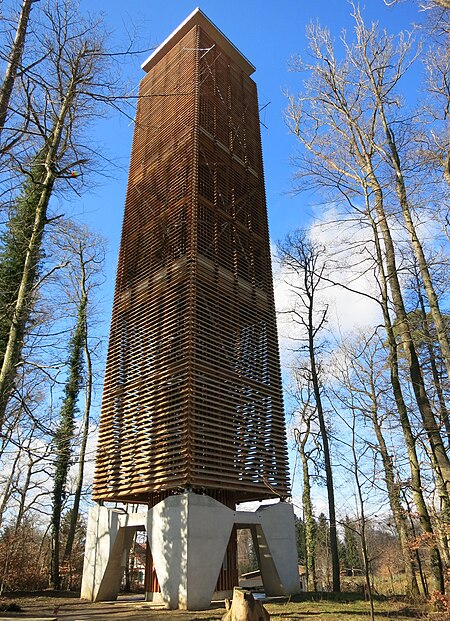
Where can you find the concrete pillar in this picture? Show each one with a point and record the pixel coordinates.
(277, 548)
(188, 536)
(108, 538)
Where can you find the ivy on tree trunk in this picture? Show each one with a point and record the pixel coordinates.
(62, 441)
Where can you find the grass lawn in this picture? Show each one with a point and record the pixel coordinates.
(346, 607)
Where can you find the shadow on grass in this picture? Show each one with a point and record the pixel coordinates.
(43, 593)
(326, 596)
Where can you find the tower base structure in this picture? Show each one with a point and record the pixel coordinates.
(188, 535)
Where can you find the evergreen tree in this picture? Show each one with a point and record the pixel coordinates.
(352, 556)
(300, 539)
(322, 560)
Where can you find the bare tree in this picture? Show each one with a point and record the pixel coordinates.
(29, 487)
(383, 61)
(73, 84)
(338, 127)
(14, 61)
(304, 412)
(424, 4)
(357, 454)
(364, 382)
(301, 258)
(85, 252)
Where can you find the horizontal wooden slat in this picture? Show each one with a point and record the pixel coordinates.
(192, 394)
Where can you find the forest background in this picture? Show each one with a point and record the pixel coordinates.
(356, 149)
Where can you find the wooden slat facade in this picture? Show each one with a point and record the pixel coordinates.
(192, 395)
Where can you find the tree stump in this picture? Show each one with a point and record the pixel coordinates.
(244, 607)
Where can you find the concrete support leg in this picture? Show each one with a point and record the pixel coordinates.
(188, 536)
(277, 549)
(109, 537)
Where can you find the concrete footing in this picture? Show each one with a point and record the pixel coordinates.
(188, 535)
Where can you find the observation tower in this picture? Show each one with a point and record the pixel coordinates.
(192, 416)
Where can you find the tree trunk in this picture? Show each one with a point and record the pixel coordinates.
(23, 496)
(445, 420)
(14, 60)
(328, 467)
(82, 457)
(244, 607)
(417, 381)
(64, 434)
(8, 486)
(21, 311)
(400, 186)
(310, 527)
(86, 420)
(395, 503)
(363, 524)
(414, 464)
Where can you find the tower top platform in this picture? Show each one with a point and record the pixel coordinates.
(198, 18)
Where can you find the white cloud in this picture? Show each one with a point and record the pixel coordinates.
(347, 251)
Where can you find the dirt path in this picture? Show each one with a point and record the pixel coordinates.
(74, 609)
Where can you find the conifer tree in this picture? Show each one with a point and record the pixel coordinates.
(352, 555)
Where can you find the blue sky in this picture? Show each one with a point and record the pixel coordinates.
(268, 33)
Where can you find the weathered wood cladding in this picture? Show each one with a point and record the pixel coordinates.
(192, 396)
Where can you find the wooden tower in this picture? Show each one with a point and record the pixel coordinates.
(192, 396)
